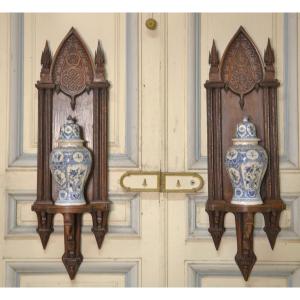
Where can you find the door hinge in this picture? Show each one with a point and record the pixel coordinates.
(164, 182)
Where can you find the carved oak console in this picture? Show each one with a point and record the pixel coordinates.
(242, 84)
(72, 84)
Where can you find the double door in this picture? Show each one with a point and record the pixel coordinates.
(157, 123)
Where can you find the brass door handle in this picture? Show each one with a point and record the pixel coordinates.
(164, 182)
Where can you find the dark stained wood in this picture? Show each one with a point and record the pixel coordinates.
(242, 84)
(82, 112)
(214, 63)
(267, 207)
(46, 61)
(241, 67)
(73, 68)
(54, 209)
(45, 226)
(216, 225)
(73, 84)
(99, 64)
(245, 257)
(100, 225)
(72, 258)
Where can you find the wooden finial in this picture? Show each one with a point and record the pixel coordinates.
(99, 62)
(269, 60)
(213, 55)
(46, 61)
(269, 54)
(214, 62)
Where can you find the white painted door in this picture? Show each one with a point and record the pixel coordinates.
(192, 258)
(133, 251)
(157, 123)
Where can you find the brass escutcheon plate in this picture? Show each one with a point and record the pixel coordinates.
(164, 182)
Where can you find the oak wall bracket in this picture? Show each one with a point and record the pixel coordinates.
(242, 84)
(73, 84)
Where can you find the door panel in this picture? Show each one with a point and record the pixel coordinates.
(135, 218)
(192, 258)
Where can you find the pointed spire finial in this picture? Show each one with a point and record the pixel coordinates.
(214, 62)
(269, 54)
(269, 59)
(46, 61)
(99, 62)
(214, 56)
(72, 30)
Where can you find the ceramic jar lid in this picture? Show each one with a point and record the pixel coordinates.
(245, 131)
(69, 131)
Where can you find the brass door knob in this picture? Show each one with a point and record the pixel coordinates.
(151, 24)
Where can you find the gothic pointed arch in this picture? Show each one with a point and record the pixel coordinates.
(72, 70)
(241, 66)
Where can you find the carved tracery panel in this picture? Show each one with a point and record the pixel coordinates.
(241, 68)
(72, 72)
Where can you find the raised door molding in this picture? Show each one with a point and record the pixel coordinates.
(15, 269)
(17, 155)
(289, 158)
(21, 222)
(287, 271)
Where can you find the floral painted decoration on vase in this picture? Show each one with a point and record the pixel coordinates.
(70, 165)
(246, 163)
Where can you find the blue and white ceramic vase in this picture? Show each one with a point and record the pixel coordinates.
(246, 163)
(70, 164)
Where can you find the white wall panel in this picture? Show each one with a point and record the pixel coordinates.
(227, 275)
(91, 274)
(124, 218)
(121, 46)
(282, 29)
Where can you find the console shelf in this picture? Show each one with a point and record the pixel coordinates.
(72, 84)
(242, 84)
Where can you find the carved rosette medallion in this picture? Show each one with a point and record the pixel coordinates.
(72, 71)
(241, 68)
